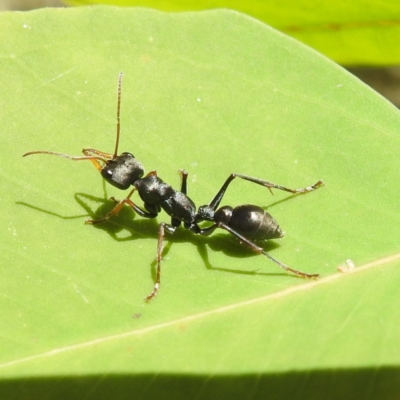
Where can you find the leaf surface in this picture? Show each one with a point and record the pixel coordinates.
(213, 92)
(360, 32)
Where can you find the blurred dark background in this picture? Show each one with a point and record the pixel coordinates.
(385, 80)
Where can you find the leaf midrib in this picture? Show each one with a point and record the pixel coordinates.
(150, 329)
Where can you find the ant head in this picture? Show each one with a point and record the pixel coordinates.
(122, 171)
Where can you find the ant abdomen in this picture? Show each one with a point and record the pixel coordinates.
(249, 220)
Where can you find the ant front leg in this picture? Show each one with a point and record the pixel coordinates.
(118, 208)
(217, 199)
(161, 234)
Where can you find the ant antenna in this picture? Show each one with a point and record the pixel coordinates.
(118, 113)
(92, 154)
(74, 158)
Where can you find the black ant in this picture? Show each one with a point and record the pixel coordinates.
(245, 222)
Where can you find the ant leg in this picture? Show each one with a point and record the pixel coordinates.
(217, 199)
(118, 208)
(175, 222)
(260, 250)
(150, 213)
(208, 230)
(161, 234)
(184, 176)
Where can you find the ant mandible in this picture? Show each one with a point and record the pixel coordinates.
(246, 222)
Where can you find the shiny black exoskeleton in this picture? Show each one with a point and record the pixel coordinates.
(248, 223)
(248, 220)
(124, 170)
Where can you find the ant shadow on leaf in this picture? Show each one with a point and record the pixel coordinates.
(124, 170)
(137, 228)
(148, 228)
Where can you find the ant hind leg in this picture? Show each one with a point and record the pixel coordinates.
(260, 250)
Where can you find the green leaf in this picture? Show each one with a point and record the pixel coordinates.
(214, 93)
(360, 32)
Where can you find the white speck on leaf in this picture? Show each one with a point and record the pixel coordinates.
(348, 266)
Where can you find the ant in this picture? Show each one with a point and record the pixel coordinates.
(247, 222)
